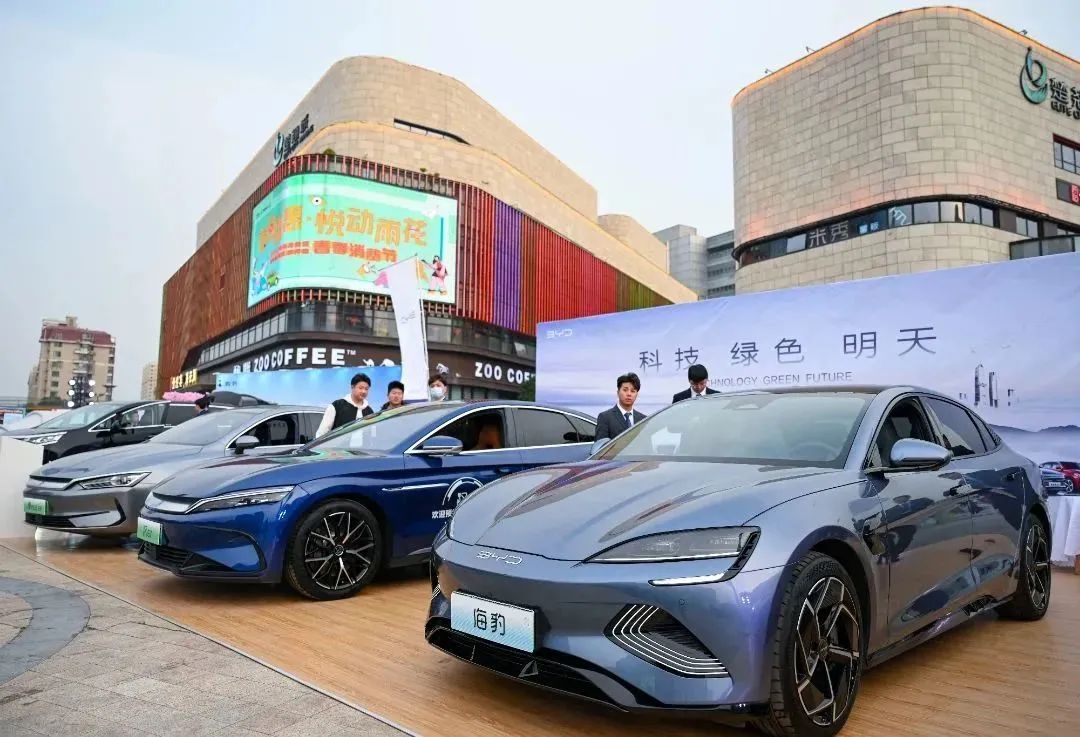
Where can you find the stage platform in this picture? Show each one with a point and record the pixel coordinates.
(988, 677)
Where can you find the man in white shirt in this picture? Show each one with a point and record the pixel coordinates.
(345, 410)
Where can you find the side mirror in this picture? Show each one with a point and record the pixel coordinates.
(440, 445)
(599, 444)
(918, 455)
(246, 442)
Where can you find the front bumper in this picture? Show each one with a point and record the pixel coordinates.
(98, 512)
(575, 606)
(226, 545)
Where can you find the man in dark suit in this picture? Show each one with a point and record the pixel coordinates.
(623, 416)
(699, 384)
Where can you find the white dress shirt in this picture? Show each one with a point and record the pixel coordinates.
(330, 415)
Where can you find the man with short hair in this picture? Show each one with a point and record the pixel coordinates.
(202, 404)
(345, 410)
(623, 416)
(395, 396)
(698, 376)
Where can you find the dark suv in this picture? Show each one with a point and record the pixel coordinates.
(105, 425)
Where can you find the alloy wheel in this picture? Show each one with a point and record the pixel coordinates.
(827, 658)
(338, 550)
(1037, 566)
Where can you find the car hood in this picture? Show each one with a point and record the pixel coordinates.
(572, 512)
(32, 431)
(127, 459)
(256, 472)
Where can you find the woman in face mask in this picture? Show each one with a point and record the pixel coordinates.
(438, 388)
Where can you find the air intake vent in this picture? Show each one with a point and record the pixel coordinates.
(653, 635)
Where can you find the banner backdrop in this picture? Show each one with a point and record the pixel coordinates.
(404, 285)
(1001, 338)
(317, 387)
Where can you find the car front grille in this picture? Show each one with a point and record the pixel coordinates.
(655, 636)
(535, 668)
(180, 560)
(49, 520)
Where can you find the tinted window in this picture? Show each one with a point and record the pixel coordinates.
(904, 421)
(959, 433)
(899, 215)
(479, 431)
(385, 431)
(309, 424)
(80, 417)
(990, 440)
(586, 430)
(179, 413)
(537, 427)
(281, 430)
(806, 429)
(145, 416)
(926, 212)
(207, 428)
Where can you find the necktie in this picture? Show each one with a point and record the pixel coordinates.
(626, 418)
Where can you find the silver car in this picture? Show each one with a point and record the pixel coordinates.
(101, 492)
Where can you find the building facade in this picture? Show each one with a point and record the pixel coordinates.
(66, 351)
(928, 139)
(703, 264)
(382, 161)
(149, 381)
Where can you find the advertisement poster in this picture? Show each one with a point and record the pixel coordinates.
(313, 387)
(332, 231)
(999, 338)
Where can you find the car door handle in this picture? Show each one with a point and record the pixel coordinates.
(504, 469)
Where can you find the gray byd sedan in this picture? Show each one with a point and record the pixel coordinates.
(746, 556)
(101, 492)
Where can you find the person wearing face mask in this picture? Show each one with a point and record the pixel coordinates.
(347, 409)
(438, 388)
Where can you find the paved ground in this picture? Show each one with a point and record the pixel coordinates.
(76, 661)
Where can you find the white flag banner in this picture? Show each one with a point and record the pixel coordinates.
(404, 284)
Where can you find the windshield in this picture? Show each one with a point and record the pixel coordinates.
(811, 429)
(81, 417)
(385, 431)
(207, 428)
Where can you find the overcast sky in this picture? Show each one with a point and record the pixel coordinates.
(122, 122)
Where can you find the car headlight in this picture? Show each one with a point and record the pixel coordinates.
(717, 542)
(117, 480)
(242, 499)
(49, 439)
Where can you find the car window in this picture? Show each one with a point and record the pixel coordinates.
(537, 427)
(1069, 465)
(385, 431)
(145, 416)
(309, 423)
(958, 431)
(811, 429)
(479, 430)
(904, 421)
(179, 413)
(990, 439)
(280, 430)
(586, 430)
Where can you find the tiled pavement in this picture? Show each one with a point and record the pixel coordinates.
(128, 673)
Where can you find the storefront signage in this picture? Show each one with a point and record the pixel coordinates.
(331, 231)
(286, 143)
(1037, 86)
(188, 378)
(1068, 192)
(496, 372)
(299, 357)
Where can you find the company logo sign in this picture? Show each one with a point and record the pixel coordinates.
(510, 560)
(559, 333)
(457, 493)
(1038, 86)
(299, 357)
(287, 142)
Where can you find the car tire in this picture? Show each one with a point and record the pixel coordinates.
(335, 551)
(818, 591)
(1032, 597)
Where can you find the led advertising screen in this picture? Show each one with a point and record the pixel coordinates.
(332, 231)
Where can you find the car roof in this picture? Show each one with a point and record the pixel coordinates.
(480, 403)
(868, 389)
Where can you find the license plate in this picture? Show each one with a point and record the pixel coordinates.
(502, 623)
(35, 506)
(149, 531)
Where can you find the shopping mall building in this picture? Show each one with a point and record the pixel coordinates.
(928, 139)
(380, 162)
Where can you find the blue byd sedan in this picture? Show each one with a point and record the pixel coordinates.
(374, 493)
(745, 556)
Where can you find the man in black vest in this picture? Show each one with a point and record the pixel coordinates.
(345, 410)
(698, 376)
